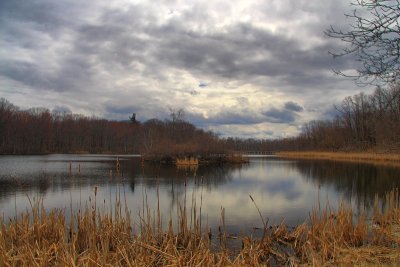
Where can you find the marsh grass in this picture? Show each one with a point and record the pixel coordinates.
(95, 236)
(367, 157)
(187, 161)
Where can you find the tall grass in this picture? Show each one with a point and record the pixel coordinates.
(94, 236)
(368, 157)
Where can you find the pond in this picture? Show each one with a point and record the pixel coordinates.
(282, 189)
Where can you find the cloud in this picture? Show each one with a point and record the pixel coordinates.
(242, 51)
(293, 106)
(62, 109)
(121, 110)
(25, 72)
(285, 187)
(275, 115)
(222, 62)
(202, 85)
(241, 115)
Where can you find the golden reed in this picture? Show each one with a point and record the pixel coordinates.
(92, 237)
(367, 157)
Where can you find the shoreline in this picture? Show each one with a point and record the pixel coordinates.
(391, 159)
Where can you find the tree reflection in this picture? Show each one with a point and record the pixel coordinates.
(11, 185)
(356, 181)
(152, 175)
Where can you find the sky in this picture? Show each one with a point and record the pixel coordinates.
(249, 69)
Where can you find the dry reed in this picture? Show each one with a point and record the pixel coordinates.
(98, 238)
(367, 157)
(187, 161)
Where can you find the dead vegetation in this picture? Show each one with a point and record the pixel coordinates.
(367, 157)
(187, 161)
(96, 237)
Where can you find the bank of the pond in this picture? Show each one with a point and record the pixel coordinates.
(99, 238)
(367, 157)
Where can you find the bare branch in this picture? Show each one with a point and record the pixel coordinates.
(374, 38)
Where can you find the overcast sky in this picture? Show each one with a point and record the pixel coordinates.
(240, 68)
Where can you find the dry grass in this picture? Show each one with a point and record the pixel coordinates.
(237, 159)
(368, 157)
(94, 238)
(187, 161)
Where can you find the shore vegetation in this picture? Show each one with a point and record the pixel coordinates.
(366, 157)
(93, 236)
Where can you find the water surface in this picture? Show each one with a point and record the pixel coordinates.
(282, 189)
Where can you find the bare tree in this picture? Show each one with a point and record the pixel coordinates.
(177, 115)
(374, 39)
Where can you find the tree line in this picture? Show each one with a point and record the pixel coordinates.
(364, 122)
(39, 131)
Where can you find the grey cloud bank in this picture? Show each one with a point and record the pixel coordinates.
(243, 68)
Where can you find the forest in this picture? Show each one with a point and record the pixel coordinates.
(364, 122)
(39, 131)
